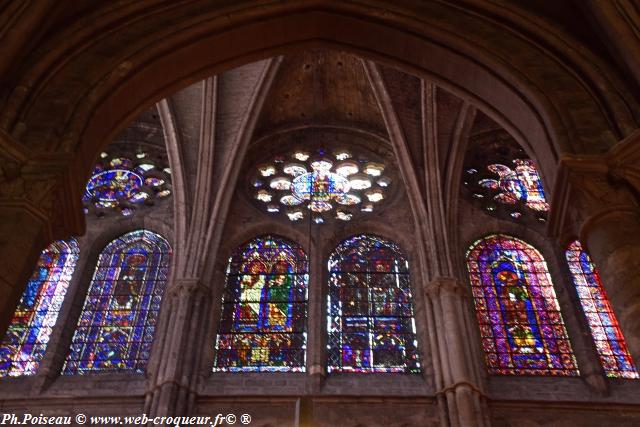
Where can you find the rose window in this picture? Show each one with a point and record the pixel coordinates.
(124, 185)
(322, 186)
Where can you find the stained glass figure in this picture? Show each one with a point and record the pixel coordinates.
(522, 183)
(610, 343)
(116, 327)
(264, 308)
(370, 320)
(28, 334)
(520, 322)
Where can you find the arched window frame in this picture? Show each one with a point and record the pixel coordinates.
(609, 341)
(24, 345)
(335, 335)
(552, 333)
(82, 356)
(231, 353)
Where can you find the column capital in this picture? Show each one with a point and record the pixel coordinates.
(44, 186)
(445, 286)
(589, 188)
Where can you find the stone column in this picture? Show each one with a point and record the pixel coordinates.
(457, 378)
(183, 325)
(205, 146)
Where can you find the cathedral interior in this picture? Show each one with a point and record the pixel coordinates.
(321, 213)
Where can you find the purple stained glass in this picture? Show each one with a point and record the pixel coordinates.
(370, 320)
(522, 183)
(264, 309)
(521, 327)
(117, 324)
(28, 334)
(610, 344)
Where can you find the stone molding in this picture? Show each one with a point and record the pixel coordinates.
(465, 385)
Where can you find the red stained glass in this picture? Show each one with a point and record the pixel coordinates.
(608, 339)
(264, 310)
(517, 309)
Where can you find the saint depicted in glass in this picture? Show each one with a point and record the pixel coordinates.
(612, 349)
(118, 320)
(521, 326)
(370, 321)
(264, 308)
(26, 340)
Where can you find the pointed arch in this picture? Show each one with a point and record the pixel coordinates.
(26, 340)
(370, 310)
(521, 326)
(610, 344)
(263, 326)
(117, 324)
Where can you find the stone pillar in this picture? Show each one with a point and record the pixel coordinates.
(457, 378)
(178, 354)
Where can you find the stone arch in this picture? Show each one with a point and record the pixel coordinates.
(53, 109)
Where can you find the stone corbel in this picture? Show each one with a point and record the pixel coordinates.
(587, 189)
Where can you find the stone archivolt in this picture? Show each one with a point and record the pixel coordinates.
(414, 82)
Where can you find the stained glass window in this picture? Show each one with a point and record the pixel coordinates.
(26, 340)
(522, 183)
(370, 321)
(264, 308)
(612, 349)
(124, 185)
(116, 327)
(299, 182)
(520, 323)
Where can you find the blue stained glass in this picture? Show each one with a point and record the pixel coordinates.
(370, 321)
(264, 310)
(118, 304)
(520, 323)
(611, 346)
(26, 340)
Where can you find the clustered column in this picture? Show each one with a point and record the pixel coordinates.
(457, 377)
(183, 326)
